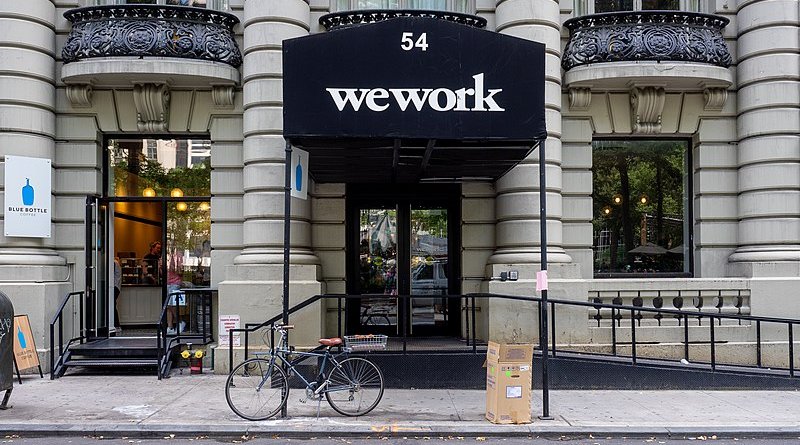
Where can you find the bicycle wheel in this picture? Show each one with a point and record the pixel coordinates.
(355, 387)
(255, 390)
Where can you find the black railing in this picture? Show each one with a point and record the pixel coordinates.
(618, 311)
(198, 329)
(151, 30)
(364, 16)
(646, 35)
(404, 338)
(57, 365)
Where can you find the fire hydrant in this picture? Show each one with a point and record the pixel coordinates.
(195, 358)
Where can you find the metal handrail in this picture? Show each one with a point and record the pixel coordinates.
(252, 327)
(59, 318)
(551, 349)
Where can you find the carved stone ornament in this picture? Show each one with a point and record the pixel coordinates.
(80, 95)
(715, 98)
(152, 106)
(647, 104)
(223, 96)
(580, 98)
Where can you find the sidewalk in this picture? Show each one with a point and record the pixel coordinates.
(193, 405)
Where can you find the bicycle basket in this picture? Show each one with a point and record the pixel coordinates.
(369, 342)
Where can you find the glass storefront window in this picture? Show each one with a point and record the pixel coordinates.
(159, 167)
(463, 6)
(188, 244)
(640, 202)
(583, 7)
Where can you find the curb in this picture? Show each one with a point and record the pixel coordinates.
(308, 430)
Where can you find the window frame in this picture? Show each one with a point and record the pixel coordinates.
(402, 4)
(688, 201)
(579, 6)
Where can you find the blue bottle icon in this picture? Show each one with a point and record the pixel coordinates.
(22, 343)
(27, 193)
(298, 177)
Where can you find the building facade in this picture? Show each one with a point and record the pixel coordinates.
(672, 157)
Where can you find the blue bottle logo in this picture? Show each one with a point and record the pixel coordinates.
(27, 193)
(298, 177)
(22, 342)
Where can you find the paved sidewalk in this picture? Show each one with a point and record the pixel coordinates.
(190, 405)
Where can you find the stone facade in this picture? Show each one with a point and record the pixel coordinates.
(742, 121)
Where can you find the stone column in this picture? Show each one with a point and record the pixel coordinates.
(517, 202)
(769, 139)
(266, 24)
(28, 120)
(253, 285)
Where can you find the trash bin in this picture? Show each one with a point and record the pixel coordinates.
(6, 348)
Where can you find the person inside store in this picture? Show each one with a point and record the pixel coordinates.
(151, 262)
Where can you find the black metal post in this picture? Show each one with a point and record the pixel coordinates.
(543, 243)
(287, 219)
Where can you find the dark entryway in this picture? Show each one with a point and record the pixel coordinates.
(404, 240)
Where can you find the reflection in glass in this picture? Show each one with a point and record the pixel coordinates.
(378, 266)
(429, 248)
(645, 231)
(612, 5)
(188, 245)
(664, 5)
(159, 165)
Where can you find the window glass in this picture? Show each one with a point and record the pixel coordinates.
(664, 5)
(612, 5)
(436, 5)
(159, 167)
(640, 197)
(463, 6)
(220, 5)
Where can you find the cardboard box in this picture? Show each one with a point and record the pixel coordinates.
(508, 383)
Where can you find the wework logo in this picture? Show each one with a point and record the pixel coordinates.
(439, 99)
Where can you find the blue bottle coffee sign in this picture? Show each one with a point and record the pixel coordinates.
(27, 204)
(27, 193)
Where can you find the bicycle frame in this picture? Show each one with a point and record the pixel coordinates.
(281, 352)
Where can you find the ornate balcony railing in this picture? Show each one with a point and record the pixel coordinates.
(360, 17)
(646, 35)
(151, 30)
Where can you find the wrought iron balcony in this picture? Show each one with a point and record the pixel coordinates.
(151, 31)
(361, 17)
(646, 36)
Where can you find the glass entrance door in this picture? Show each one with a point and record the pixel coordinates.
(428, 270)
(400, 257)
(99, 285)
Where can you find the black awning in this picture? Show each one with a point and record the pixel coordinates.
(413, 98)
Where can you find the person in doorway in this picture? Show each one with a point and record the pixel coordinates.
(176, 299)
(117, 290)
(151, 263)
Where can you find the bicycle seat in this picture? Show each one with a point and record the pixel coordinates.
(336, 341)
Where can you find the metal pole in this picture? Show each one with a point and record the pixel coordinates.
(287, 218)
(543, 242)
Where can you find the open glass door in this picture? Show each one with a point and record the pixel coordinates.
(99, 308)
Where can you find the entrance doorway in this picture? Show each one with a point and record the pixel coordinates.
(404, 243)
(148, 236)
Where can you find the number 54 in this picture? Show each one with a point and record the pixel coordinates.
(408, 43)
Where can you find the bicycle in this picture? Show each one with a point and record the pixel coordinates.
(258, 388)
